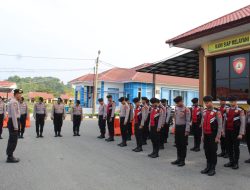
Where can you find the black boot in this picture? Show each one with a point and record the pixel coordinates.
(222, 154)
(150, 155)
(74, 133)
(1, 137)
(229, 164)
(206, 170)
(197, 149)
(235, 166)
(211, 171)
(181, 163)
(110, 139)
(155, 155)
(59, 134)
(12, 159)
(176, 162)
(77, 134)
(135, 149)
(138, 149)
(41, 135)
(37, 135)
(247, 161)
(21, 136)
(56, 135)
(192, 149)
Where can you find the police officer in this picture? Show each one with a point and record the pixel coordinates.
(234, 129)
(130, 119)
(110, 118)
(124, 116)
(145, 119)
(40, 115)
(2, 115)
(211, 132)
(248, 130)
(138, 124)
(76, 117)
(162, 117)
(58, 115)
(13, 122)
(167, 123)
(222, 108)
(155, 126)
(196, 115)
(24, 114)
(182, 128)
(102, 116)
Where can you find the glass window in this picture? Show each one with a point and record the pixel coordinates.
(240, 88)
(222, 88)
(239, 66)
(222, 67)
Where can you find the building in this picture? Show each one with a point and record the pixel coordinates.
(120, 82)
(66, 98)
(47, 97)
(222, 48)
(6, 87)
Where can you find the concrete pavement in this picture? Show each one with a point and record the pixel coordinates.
(79, 163)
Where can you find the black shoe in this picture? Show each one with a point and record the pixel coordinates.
(12, 159)
(56, 135)
(37, 136)
(123, 144)
(211, 172)
(1, 137)
(135, 149)
(222, 154)
(161, 147)
(59, 135)
(229, 165)
(74, 135)
(100, 137)
(154, 155)
(139, 149)
(226, 156)
(206, 170)
(247, 161)
(150, 155)
(176, 162)
(78, 135)
(181, 164)
(235, 166)
(192, 149)
(197, 149)
(109, 139)
(41, 136)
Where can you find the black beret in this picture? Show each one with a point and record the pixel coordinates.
(178, 99)
(18, 91)
(232, 98)
(100, 100)
(222, 98)
(135, 100)
(126, 99)
(109, 96)
(41, 99)
(144, 98)
(121, 99)
(207, 98)
(248, 101)
(195, 100)
(163, 101)
(59, 99)
(78, 101)
(154, 100)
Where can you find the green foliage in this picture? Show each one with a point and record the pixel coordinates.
(42, 84)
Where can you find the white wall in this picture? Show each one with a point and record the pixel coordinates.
(107, 85)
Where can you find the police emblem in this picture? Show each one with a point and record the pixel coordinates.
(239, 65)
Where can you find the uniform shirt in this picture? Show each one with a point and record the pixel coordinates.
(182, 116)
(2, 108)
(102, 111)
(162, 116)
(111, 109)
(58, 109)
(196, 114)
(40, 108)
(222, 110)
(76, 110)
(14, 112)
(124, 112)
(145, 113)
(23, 108)
(131, 112)
(168, 114)
(248, 116)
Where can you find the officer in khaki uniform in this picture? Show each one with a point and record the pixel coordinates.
(182, 117)
(102, 116)
(145, 119)
(40, 115)
(76, 117)
(2, 115)
(211, 125)
(24, 114)
(130, 119)
(110, 118)
(124, 116)
(13, 123)
(58, 115)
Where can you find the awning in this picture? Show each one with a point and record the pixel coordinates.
(185, 65)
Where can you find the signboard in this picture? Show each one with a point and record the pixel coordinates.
(239, 65)
(229, 43)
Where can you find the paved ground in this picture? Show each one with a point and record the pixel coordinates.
(76, 163)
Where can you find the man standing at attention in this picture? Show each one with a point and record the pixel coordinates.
(24, 114)
(76, 117)
(40, 115)
(58, 115)
(102, 116)
(110, 118)
(124, 116)
(2, 115)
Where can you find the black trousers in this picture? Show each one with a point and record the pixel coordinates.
(210, 147)
(1, 123)
(111, 126)
(76, 123)
(181, 142)
(138, 135)
(155, 139)
(39, 123)
(102, 125)
(129, 127)
(13, 137)
(248, 136)
(58, 122)
(223, 144)
(21, 127)
(197, 134)
(145, 132)
(233, 146)
(164, 134)
(124, 129)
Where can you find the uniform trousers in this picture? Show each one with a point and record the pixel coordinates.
(210, 147)
(102, 125)
(76, 123)
(197, 134)
(1, 123)
(111, 126)
(21, 127)
(233, 146)
(181, 142)
(39, 123)
(155, 139)
(13, 137)
(58, 122)
(124, 129)
(138, 135)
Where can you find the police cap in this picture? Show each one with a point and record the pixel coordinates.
(178, 99)
(100, 100)
(195, 100)
(18, 91)
(207, 98)
(135, 100)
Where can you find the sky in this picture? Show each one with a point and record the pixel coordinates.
(128, 33)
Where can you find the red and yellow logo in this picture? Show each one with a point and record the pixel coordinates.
(239, 65)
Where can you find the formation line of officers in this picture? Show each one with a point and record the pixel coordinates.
(17, 110)
(225, 125)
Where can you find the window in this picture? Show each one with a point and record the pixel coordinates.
(232, 76)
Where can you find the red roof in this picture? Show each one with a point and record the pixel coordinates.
(45, 95)
(130, 75)
(7, 84)
(234, 19)
(88, 77)
(66, 97)
(4, 95)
